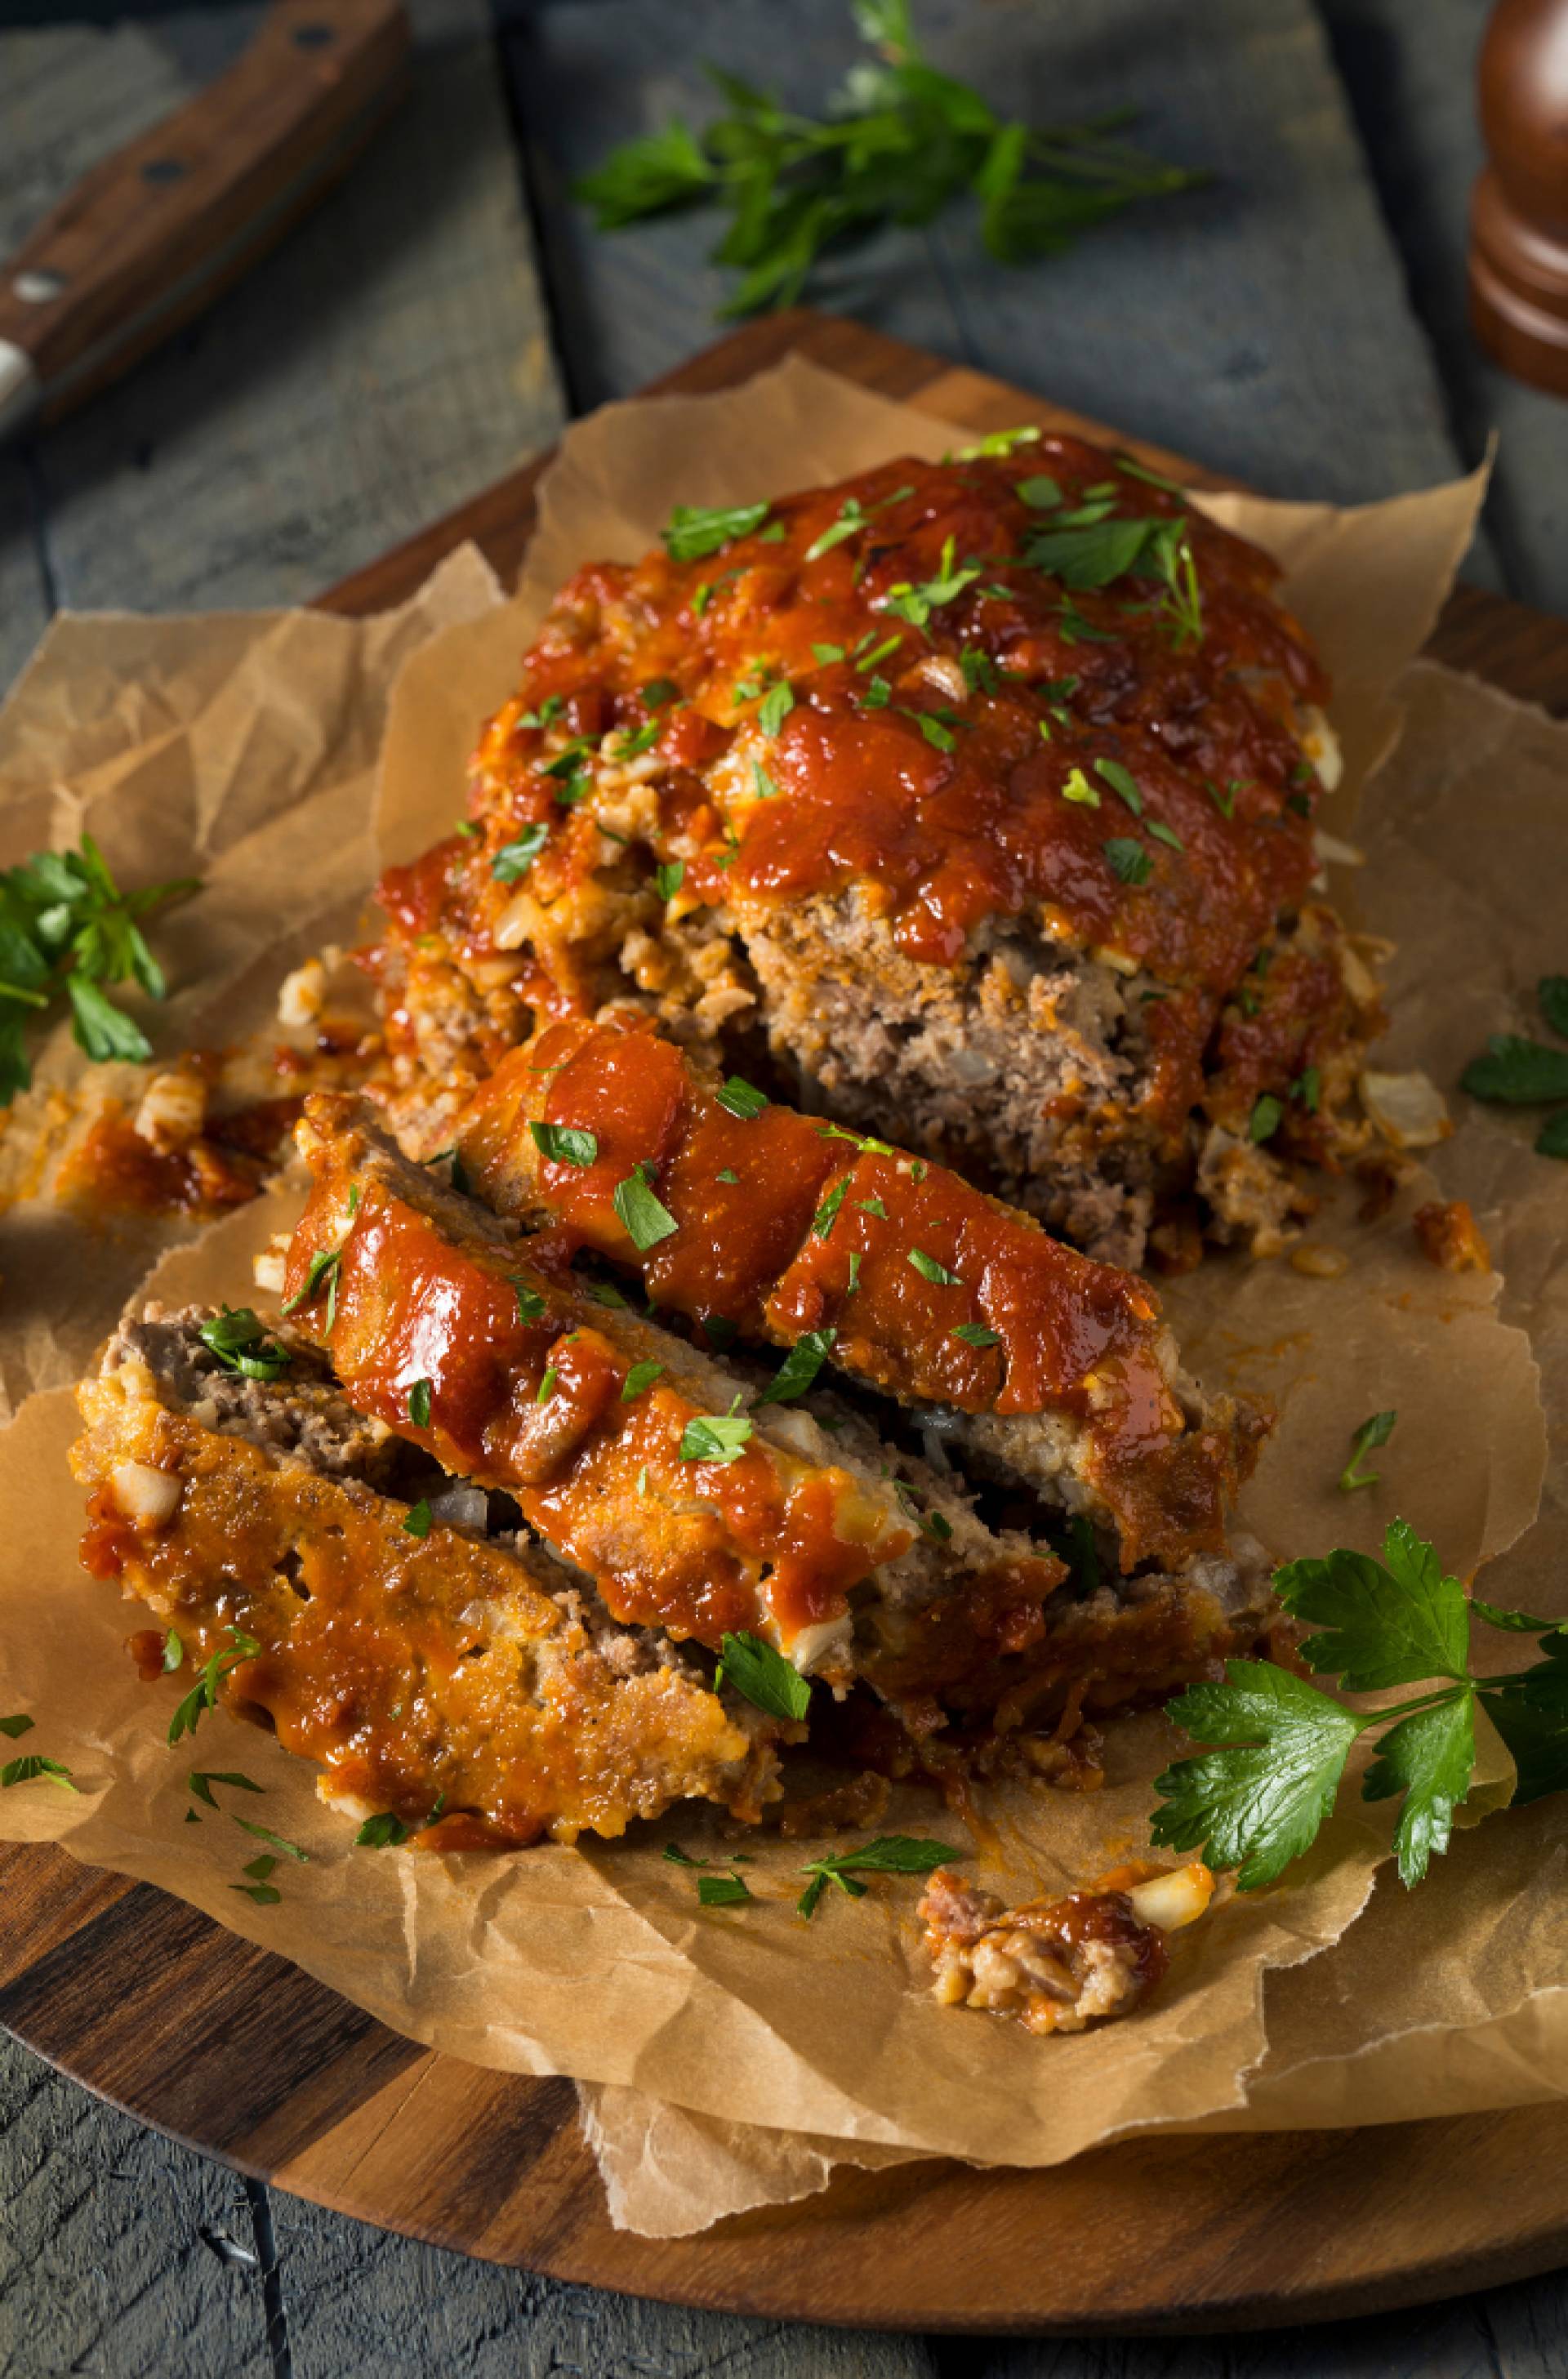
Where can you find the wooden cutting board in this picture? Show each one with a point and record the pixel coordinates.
(238, 2054)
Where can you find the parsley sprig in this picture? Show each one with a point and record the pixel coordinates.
(897, 143)
(1517, 1071)
(1258, 1800)
(66, 926)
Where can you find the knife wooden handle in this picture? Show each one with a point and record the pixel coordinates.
(149, 237)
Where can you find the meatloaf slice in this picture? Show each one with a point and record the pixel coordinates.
(858, 1558)
(472, 1687)
(984, 789)
(1029, 1357)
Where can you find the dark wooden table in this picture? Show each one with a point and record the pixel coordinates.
(1299, 325)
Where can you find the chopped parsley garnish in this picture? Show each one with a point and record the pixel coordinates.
(763, 1676)
(929, 1269)
(173, 1654)
(721, 1890)
(645, 1215)
(563, 1144)
(417, 1523)
(324, 1266)
(889, 1854)
(1155, 478)
(1121, 780)
(238, 1338)
(868, 661)
(1258, 1800)
(604, 1292)
(873, 1206)
(514, 858)
(1000, 442)
(1128, 860)
(640, 1376)
(980, 673)
(717, 1328)
(419, 1403)
(976, 1333)
(828, 1212)
(878, 694)
(1266, 1117)
(1078, 787)
(1041, 493)
(1553, 992)
(677, 1857)
(1370, 1436)
(635, 742)
(775, 707)
(547, 713)
(763, 785)
(1165, 834)
(715, 1437)
(33, 1767)
(728, 1173)
(203, 1694)
(1306, 1088)
(741, 1098)
(669, 877)
(939, 736)
(799, 1369)
(854, 1280)
(916, 604)
(387, 1831)
(18, 1724)
(530, 1304)
(658, 691)
(546, 1388)
(1225, 802)
(930, 1524)
(202, 1780)
(693, 532)
(826, 655)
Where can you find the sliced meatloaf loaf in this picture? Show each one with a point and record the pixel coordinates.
(983, 789)
(699, 1505)
(443, 1677)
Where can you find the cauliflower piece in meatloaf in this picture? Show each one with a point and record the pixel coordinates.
(984, 790)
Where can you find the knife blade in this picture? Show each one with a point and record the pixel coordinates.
(151, 235)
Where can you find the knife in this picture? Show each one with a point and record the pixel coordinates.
(151, 235)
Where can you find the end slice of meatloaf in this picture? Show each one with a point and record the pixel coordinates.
(984, 789)
(1038, 1361)
(628, 1450)
(473, 1689)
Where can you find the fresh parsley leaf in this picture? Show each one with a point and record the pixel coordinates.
(889, 1854)
(826, 655)
(419, 1403)
(1552, 1138)
(563, 1144)
(1532, 1718)
(1165, 834)
(644, 1215)
(1265, 1119)
(238, 1338)
(693, 532)
(173, 1653)
(669, 877)
(1000, 442)
(280, 1843)
(741, 1098)
(1517, 1071)
(1553, 992)
(763, 1676)
(266, 1895)
(18, 1724)
(605, 1293)
(1389, 1623)
(976, 1333)
(1308, 1087)
(640, 1376)
(799, 1368)
(1259, 1801)
(418, 1518)
(1121, 780)
(530, 1304)
(102, 1029)
(1128, 860)
(203, 1694)
(1428, 1757)
(383, 1831)
(1093, 555)
(715, 1437)
(929, 1269)
(775, 708)
(259, 1869)
(721, 1890)
(33, 1768)
(1079, 789)
(916, 604)
(1371, 1434)
(868, 661)
(647, 176)
(514, 858)
(1040, 493)
(324, 1266)
(546, 1388)
(828, 1212)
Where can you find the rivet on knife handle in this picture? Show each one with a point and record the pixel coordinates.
(150, 237)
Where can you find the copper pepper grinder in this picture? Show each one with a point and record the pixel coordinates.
(1519, 213)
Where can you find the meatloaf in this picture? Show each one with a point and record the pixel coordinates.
(626, 1448)
(981, 791)
(458, 1679)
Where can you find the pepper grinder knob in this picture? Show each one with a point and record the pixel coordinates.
(1519, 212)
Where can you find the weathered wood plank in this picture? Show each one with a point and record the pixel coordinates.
(1260, 326)
(391, 358)
(360, 2300)
(119, 2253)
(1410, 70)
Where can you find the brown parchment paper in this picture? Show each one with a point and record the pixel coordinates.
(785, 2045)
